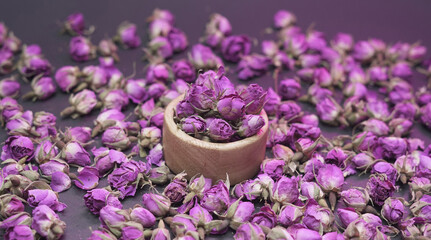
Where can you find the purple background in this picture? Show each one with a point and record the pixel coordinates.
(39, 22)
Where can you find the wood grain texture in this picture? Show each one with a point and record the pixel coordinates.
(240, 159)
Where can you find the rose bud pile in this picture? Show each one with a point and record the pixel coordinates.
(212, 108)
(308, 187)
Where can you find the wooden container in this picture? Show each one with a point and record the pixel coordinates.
(240, 159)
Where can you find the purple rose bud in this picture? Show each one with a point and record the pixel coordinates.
(88, 178)
(231, 107)
(155, 156)
(17, 148)
(330, 178)
(12, 43)
(283, 19)
(318, 218)
(289, 89)
(390, 148)
(11, 205)
(149, 137)
(379, 188)
(426, 115)
(193, 125)
(220, 130)
(356, 198)
(251, 66)
(234, 47)
(136, 91)
(143, 216)
(386, 169)
(306, 74)
(79, 134)
(96, 199)
(81, 103)
(285, 190)
(343, 42)
(37, 197)
(308, 60)
(249, 231)
(19, 232)
(265, 217)
(322, 77)
(378, 74)
(21, 218)
(316, 40)
(330, 111)
(241, 213)
(161, 47)
(273, 100)
(269, 48)
(289, 215)
(254, 97)
(95, 76)
(45, 151)
(107, 48)
(81, 49)
(132, 232)
(296, 44)
(75, 24)
(346, 216)
(158, 205)
(401, 70)
(44, 216)
(288, 110)
(176, 190)
(336, 156)
(417, 53)
(113, 218)
(399, 90)
(67, 77)
(182, 223)
(184, 70)
(300, 232)
(6, 61)
(393, 210)
(116, 137)
(114, 99)
(127, 35)
(203, 57)
(101, 234)
(216, 198)
(32, 66)
(217, 29)
(363, 51)
(9, 88)
(126, 177)
(177, 39)
(74, 153)
(3, 32)
(273, 167)
(200, 97)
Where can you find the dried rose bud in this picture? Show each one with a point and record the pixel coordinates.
(20, 126)
(67, 77)
(356, 198)
(114, 99)
(330, 112)
(296, 44)
(79, 134)
(184, 70)
(273, 167)
(390, 148)
(217, 29)
(393, 210)
(176, 191)
(160, 47)
(18, 147)
(12, 43)
(37, 197)
(107, 48)
(289, 89)
(127, 177)
(322, 77)
(3, 32)
(249, 231)
(116, 137)
(193, 124)
(253, 65)
(149, 137)
(155, 156)
(386, 169)
(182, 223)
(74, 153)
(127, 35)
(106, 159)
(220, 130)
(308, 60)
(273, 100)
(216, 198)
(9, 88)
(177, 39)
(363, 51)
(200, 97)
(101, 234)
(96, 199)
(250, 125)
(136, 90)
(10, 205)
(45, 151)
(250, 189)
(421, 208)
(379, 188)
(158, 205)
(254, 97)
(343, 42)
(6, 62)
(23, 232)
(161, 233)
(75, 24)
(203, 57)
(400, 126)
(143, 216)
(47, 223)
(33, 66)
(81, 49)
(234, 47)
(319, 218)
(330, 178)
(290, 214)
(265, 217)
(87, 178)
(401, 70)
(311, 190)
(284, 191)
(94, 76)
(81, 103)
(346, 216)
(113, 218)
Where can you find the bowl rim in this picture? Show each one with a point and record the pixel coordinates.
(169, 122)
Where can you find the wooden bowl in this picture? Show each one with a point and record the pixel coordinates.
(240, 159)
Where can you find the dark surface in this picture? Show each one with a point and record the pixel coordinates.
(38, 22)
